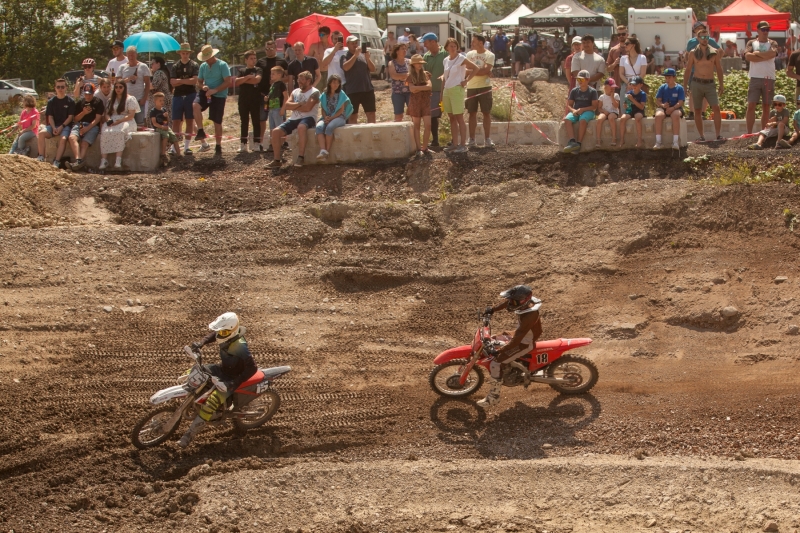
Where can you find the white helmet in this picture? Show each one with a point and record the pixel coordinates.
(226, 325)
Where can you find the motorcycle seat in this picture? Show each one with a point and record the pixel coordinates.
(275, 371)
(555, 343)
(258, 377)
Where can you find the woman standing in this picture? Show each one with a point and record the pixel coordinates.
(419, 107)
(455, 78)
(398, 73)
(336, 109)
(160, 84)
(632, 65)
(120, 124)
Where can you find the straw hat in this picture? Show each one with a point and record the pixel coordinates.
(207, 52)
(185, 47)
(416, 59)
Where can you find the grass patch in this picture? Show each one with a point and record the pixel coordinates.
(740, 172)
(501, 108)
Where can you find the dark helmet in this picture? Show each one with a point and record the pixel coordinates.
(518, 297)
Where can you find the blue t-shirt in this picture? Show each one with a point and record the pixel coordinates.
(583, 99)
(215, 75)
(694, 41)
(796, 119)
(500, 43)
(671, 96)
(641, 98)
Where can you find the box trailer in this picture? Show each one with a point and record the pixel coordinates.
(674, 26)
(443, 23)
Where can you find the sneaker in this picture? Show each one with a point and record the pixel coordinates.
(40, 159)
(188, 151)
(488, 143)
(103, 164)
(300, 161)
(218, 149)
(171, 150)
(78, 164)
(449, 148)
(242, 148)
(491, 399)
(571, 145)
(676, 146)
(658, 146)
(323, 154)
(700, 139)
(576, 149)
(260, 147)
(755, 146)
(471, 143)
(275, 163)
(201, 134)
(56, 164)
(783, 144)
(24, 151)
(461, 149)
(205, 147)
(164, 160)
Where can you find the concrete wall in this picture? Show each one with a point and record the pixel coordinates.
(648, 134)
(730, 128)
(519, 132)
(360, 142)
(141, 152)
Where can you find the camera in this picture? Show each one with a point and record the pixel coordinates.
(363, 48)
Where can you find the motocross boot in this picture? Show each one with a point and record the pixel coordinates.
(194, 429)
(493, 398)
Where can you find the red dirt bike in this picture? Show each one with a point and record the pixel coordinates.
(456, 373)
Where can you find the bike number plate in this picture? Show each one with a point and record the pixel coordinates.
(541, 358)
(261, 387)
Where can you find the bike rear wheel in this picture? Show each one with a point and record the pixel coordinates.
(259, 411)
(579, 374)
(149, 431)
(445, 379)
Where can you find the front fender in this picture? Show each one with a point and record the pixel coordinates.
(176, 391)
(460, 352)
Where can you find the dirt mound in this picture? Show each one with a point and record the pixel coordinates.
(31, 193)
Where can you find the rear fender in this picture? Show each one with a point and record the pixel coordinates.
(460, 352)
(165, 395)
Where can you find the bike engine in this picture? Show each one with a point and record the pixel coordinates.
(512, 378)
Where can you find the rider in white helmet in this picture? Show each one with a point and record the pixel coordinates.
(236, 368)
(519, 300)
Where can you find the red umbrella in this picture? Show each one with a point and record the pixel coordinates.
(307, 28)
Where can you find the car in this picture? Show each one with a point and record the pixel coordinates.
(9, 90)
(73, 75)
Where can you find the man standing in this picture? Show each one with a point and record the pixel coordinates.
(304, 105)
(694, 41)
(479, 90)
(317, 51)
(358, 69)
(403, 39)
(792, 71)
(303, 63)
(184, 83)
(266, 64)
(761, 54)
(434, 65)
(332, 58)
(250, 100)
(387, 50)
(612, 62)
(500, 45)
(88, 77)
(136, 76)
(119, 59)
(88, 114)
(699, 73)
(214, 79)
(58, 116)
(588, 60)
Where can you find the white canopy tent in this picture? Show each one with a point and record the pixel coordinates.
(511, 21)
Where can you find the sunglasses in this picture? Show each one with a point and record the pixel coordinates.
(779, 103)
(765, 30)
(703, 37)
(60, 87)
(119, 86)
(87, 68)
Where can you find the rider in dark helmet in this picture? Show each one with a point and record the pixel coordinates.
(520, 301)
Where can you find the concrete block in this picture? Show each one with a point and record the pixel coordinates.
(141, 152)
(648, 135)
(730, 128)
(360, 142)
(519, 133)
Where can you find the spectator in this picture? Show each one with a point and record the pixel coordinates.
(777, 125)
(614, 54)
(398, 73)
(792, 71)
(760, 52)
(549, 59)
(358, 69)
(694, 41)
(332, 58)
(89, 113)
(632, 65)
(557, 45)
(419, 107)
(405, 37)
(159, 120)
(267, 64)
(668, 62)
(582, 104)
(303, 63)
(651, 62)
(703, 62)
(796, 122)
(184, 82)
(159, 83)
(27, 126)
(730, 49)
(118, 61)
(576, 49)
(121, 112)
(608, 107)
(137, 76)
(499, 47)
(413, 46)
(58, 114)
(533, 39)
(669, 103)
(303, 103)
(479, 90)
(214, 78)
(388, 46)
(288, 52)
(88, 76)
(434, 66)
(455, 77)
(635, 103)
(103, 91)
(590, 61)
(317, 51)
(336, 109)
(659, 52)
(276, 97)
(780, 59)
(250, 100)
(522, 57)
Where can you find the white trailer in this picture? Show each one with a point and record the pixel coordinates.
(674, 26)
(443, 23)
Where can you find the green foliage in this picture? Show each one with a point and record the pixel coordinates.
(696, 163)
(7, 139)
(743, 173)
(501, 108)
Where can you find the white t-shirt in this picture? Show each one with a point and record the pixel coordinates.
(103, 98)
(140, 70)
(403, 39)
(480, 60)
(762, 69)
(592, 62)
(116, 64)
(335, 66)
(454, 71)
(301, 97)
(626, 70)
(606, 103)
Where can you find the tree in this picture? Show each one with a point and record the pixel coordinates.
(788, 6)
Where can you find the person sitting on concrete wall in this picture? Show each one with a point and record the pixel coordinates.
(336, 109)
(59, 114)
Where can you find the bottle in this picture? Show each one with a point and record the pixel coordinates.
(113, 77)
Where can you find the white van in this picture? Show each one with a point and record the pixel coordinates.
(674, 26)
(443, 23)
(367, 31)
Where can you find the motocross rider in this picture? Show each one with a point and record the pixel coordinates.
(236, 368)
(520, 300)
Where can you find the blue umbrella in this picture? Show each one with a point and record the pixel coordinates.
(152, 41)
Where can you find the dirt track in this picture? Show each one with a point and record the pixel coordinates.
(358, 296)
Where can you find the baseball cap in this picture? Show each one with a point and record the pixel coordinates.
(576, 39)
(669, 72)
(407, 29)
(610, 82)
(763, 24)
(352, 39)
(89, 88)
(636, 80)
(584, 74)
(698, 25)
(117, 43)
(430, 36)
(658, 37)
(779, 98)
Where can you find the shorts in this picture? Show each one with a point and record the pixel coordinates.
(679, 111)
(90, 137)
(708, 91)
(274, 117)
(658, 57)
(64, 133)
(757, 89)
(635, 113)
(436, 96)
(168, 134)
(521, 55)
(400, 102)
(586, 116)
(216, 106)
(364, 99)
(453, 99)
(182, 107)
(772, 132)
(482, 96)
(290, 125)
(609, 112)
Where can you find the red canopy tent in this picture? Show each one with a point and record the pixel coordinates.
(743, 15)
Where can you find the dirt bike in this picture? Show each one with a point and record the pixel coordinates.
(252, 405)
(456, 373)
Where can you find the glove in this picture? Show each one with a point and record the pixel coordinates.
(489, 311)
(196, 346)
(491, 350)
(219, 384)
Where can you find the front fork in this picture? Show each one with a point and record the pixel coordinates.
(176, 416)
(467, 369)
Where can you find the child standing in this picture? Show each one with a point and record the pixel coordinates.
(277, 97)
(582, 104)
(159, 119)
(249, 100)
(777, 125)
(28, 125)
(419, 106)
(609, 110)
(635, 102)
